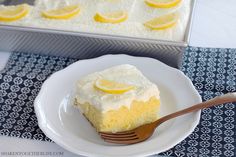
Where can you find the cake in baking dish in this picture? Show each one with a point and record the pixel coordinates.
(154, 19)
(117, 99)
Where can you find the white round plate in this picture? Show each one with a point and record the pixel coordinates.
(65, 125)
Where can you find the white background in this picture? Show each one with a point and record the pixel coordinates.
(214, 25)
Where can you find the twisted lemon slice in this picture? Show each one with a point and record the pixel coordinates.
(13, 13)
(162, 22)
(112, 87)
(62, 13)
(112, 17)
(162, 3)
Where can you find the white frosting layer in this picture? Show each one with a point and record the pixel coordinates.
(128, 74)
(138, 11)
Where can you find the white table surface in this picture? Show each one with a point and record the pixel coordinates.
(214, 25)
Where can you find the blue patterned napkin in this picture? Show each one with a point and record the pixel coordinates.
(20, 83)
(211, 70)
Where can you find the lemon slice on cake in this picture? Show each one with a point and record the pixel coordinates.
(162, 3)
(112, 87)
(66, 12)
(13, 13)
(111, 17)
(162, 22)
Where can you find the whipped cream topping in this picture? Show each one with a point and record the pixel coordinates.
(128, 74)
(138, 13)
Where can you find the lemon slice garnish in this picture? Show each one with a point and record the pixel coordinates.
(112, 17)
(112, 87)
(162, 22)
(13, 13)
(162, 3)
(62, 13)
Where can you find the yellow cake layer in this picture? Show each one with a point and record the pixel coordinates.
(124, 118)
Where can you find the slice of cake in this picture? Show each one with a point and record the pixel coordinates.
(118, 99)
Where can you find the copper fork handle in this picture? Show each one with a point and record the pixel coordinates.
(226, 98)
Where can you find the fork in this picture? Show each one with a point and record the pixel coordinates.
(143, 132)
